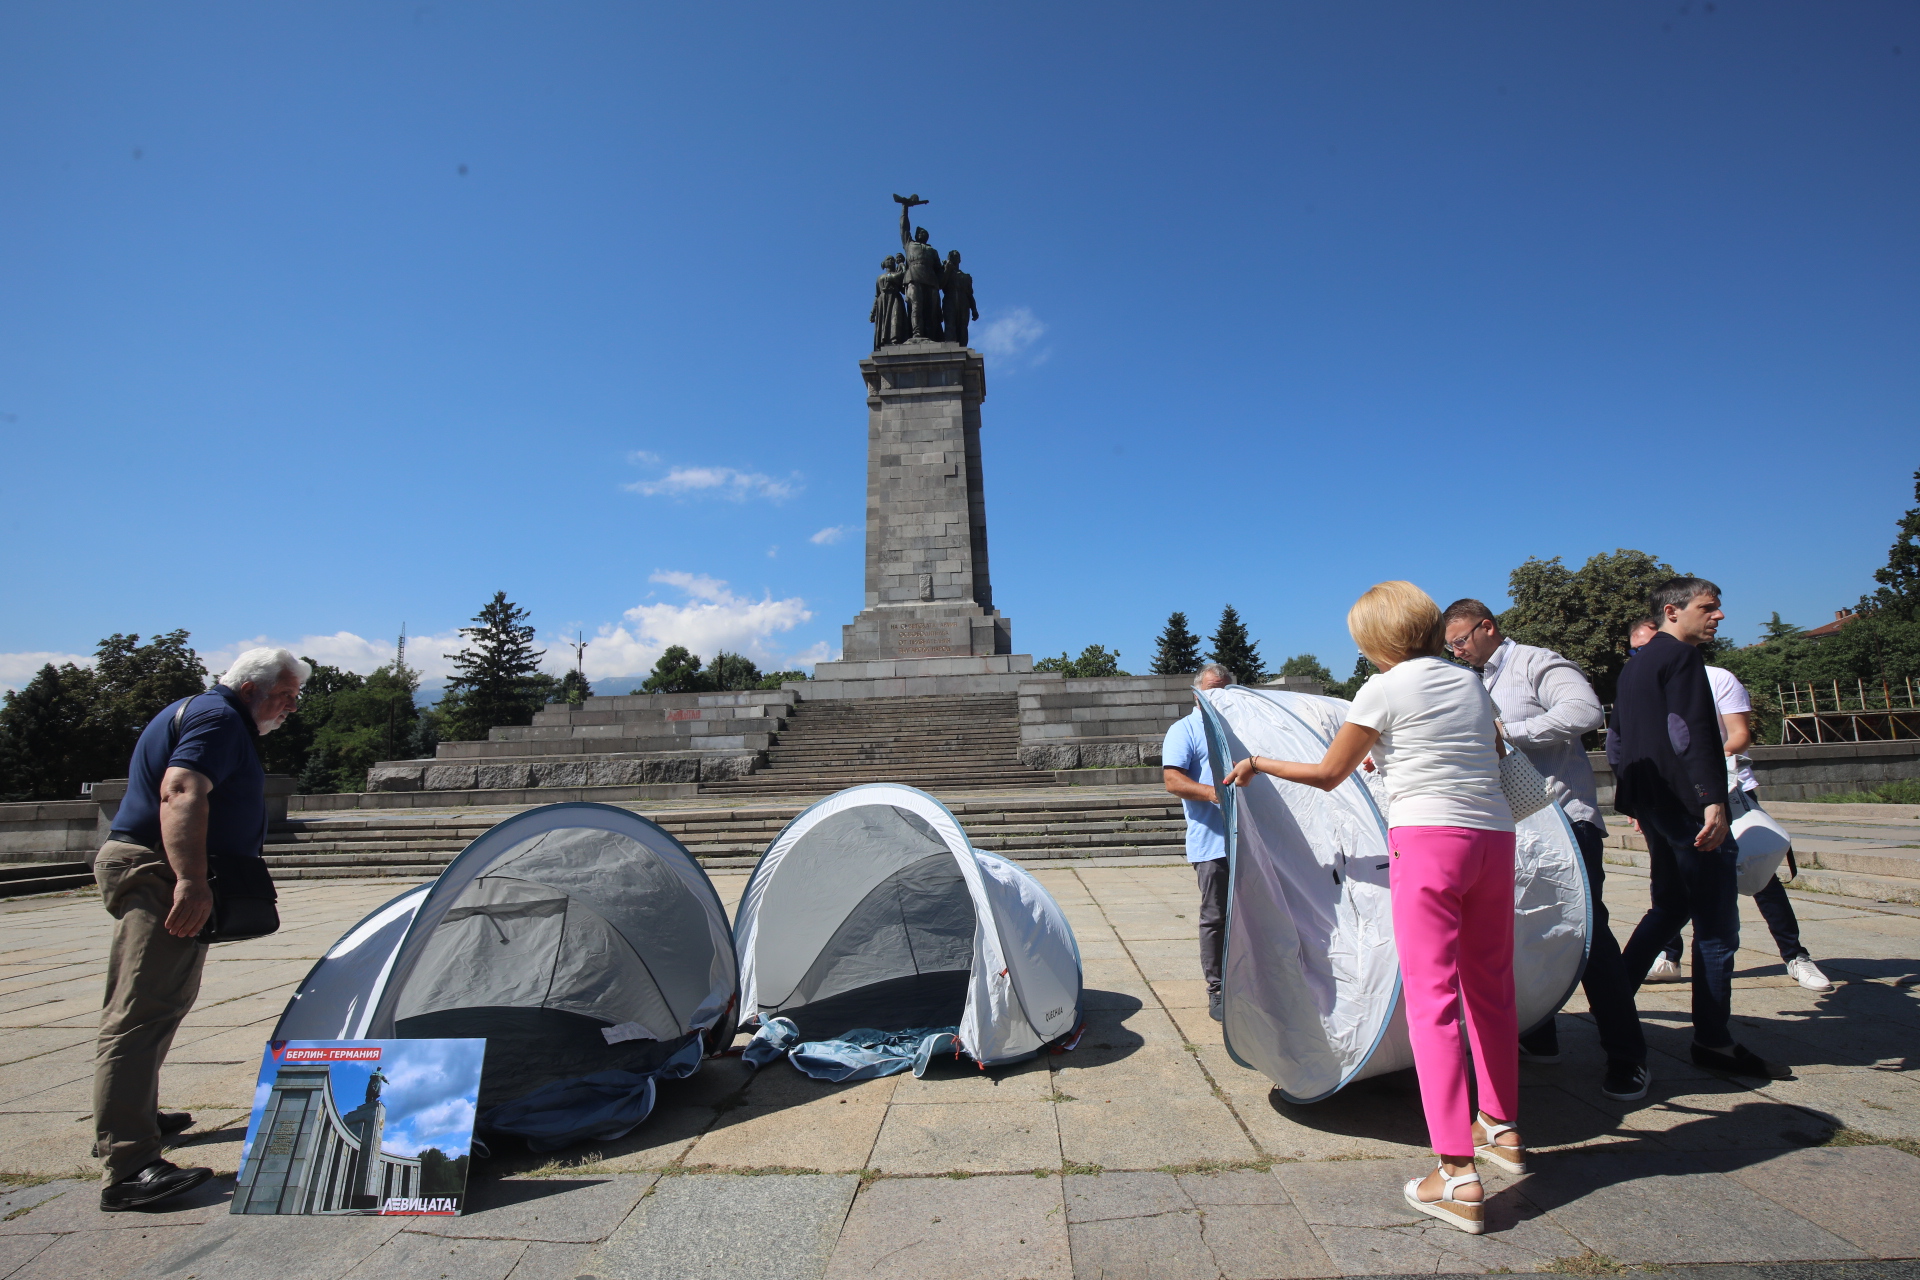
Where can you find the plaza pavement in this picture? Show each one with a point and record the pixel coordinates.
(1145, 1152)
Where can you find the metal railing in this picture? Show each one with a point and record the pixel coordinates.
(1828, 711)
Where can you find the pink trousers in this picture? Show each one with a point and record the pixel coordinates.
(1453, 923)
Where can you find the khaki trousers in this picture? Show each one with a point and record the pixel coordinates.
(152, 980)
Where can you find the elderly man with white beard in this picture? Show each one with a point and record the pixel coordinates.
(196, 802)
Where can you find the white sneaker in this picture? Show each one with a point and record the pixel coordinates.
(1805, 972)
(1664, 970)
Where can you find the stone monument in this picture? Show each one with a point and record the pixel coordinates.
(929, 594)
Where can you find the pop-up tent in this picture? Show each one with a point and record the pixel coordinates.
(1311, 979)
(873, 910)
(575, 938)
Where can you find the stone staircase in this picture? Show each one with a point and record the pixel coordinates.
(24, 873)
(934, 743)
(1082, 823)
(1867, 851)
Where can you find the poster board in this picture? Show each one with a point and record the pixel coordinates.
(360, 1128)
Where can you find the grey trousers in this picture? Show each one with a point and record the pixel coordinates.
(1213, 917)
(152, 980)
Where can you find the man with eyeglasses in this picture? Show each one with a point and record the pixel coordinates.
(1545, 705)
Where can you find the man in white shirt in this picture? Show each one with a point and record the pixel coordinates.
(1545, 705)
(1735, 707)
(1188, 773)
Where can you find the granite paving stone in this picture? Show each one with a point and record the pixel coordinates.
(239, 1247)
(439, 1257)
(555, 1210)
(1869, 1196)
(943, 1137)
(726, 1226)
(102, 1255)
(1645, 1206)
(980, 1228)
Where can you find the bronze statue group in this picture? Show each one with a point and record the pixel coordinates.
(917, 297)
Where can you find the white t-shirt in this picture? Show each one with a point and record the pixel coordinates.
(1436, 749)
(1729, 698)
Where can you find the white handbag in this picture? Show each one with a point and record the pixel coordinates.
(1526, 786)
(1763, 842)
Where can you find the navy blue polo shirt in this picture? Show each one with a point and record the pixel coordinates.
(216, 739)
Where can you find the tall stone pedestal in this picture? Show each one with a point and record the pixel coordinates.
(928, 590)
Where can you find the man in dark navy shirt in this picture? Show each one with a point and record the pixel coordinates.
(1670, 777)
(196, 792)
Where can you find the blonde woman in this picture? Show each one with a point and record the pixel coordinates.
(1429, 726)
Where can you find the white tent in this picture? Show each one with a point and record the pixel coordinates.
(872, 909)
(552, 929)
(1311, 978)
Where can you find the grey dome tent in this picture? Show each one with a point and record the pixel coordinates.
(1311, 979)
(872, 909)
(555, 926)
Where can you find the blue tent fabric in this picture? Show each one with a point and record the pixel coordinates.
(860, 1054)
(867, 1054)
(599, 1107)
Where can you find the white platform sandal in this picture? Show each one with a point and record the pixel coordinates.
(1470, 1218)
(1512, 1159)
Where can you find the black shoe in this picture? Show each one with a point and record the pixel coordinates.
(1542, 1044)
(1740, 1061)
(149, 1186)
(172, 1122)
(1626, 1081)
(1216, 1006)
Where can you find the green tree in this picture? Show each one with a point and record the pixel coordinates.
(573, 689)
(1774, 629)
(774, 679)
(677, 671)
(1363, 671)
(133, 683)
(1234, 649)
(1094, 661)
(1177, 650)
(1583, 614)
(1305, 664)
(498, 680)
(730, 671)
(1899, 579)
(46, 752)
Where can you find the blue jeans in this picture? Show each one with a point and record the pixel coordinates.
(1695, 885)
(1609, 994)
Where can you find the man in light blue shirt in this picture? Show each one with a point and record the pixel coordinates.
(1189, 774)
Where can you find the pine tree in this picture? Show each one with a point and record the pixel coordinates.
(499, 680)
(1177, 651)
(1899, 589)
(677, 671)
(45, 752)
(573, 689)
(1233, 649)
(730, 671)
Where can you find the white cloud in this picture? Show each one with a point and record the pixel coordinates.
(640, 457)
(713, 618)
(719, 482)
(829, 535)
(1012, 334)
(18, 668)
(349, 652)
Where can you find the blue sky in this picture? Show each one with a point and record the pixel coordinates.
(318, 319)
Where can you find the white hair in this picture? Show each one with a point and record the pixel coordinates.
(264, 667)
(1214, 669)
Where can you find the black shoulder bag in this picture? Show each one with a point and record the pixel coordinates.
(243, 892)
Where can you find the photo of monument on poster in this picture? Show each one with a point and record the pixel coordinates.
(360, 1127)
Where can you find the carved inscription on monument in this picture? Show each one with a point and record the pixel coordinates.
(929, 638)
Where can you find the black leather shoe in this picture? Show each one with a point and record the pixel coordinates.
(172, 1122)
(150, 1186)
(1740, 1061)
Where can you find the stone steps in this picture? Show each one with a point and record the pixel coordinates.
(17, 879)
(1024, 828)
(1874, 863)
